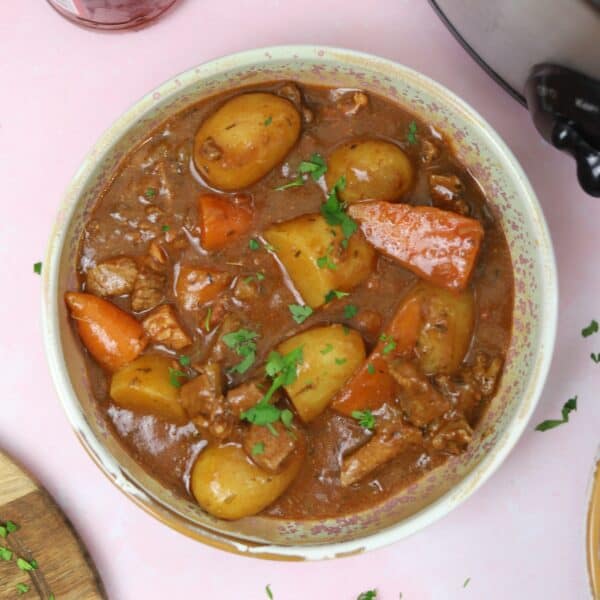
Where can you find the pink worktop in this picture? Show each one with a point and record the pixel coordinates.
(521, 536)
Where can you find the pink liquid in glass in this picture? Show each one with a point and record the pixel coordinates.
(111, 14)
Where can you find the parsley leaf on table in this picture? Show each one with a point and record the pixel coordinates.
(590, 329)
(569, 406)
(368, 595)
(37, 268)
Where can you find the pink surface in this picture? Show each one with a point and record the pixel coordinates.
(521, 536)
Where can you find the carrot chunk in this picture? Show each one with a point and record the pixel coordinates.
(112, 336)
(439, 246)
(373, 385)
(221, 219)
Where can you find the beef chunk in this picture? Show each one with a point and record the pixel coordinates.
(389, 441)
(291, 92)
(244, 397)
(486, 372)
(112, 277)
(446, 191)
(269, 451)
(429, 152)
(451, 437)
(202, 399)
(421, 402)
(162, 327)
(149, 287)
(353, 102)
(203, 394)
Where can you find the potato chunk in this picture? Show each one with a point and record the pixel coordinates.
(144, 386)
(228, 485)
(447, 328)
(331, 354)
(244, 139)
(112, 277)
(302, 242)
(163, 327)
(195, 286)
(374, 170)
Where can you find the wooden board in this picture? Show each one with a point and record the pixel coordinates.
(65, 569)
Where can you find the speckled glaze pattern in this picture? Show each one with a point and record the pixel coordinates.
(512, 201)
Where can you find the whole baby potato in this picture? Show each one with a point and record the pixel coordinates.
(228, 485)
(374, 170)
(244, 139)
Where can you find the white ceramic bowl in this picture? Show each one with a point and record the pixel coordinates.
(512, 201)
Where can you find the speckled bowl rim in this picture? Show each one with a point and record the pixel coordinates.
(431, 513)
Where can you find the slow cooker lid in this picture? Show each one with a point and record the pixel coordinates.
(508, 38)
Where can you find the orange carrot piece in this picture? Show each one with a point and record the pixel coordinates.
(112, 336)
(372, 385)
(438, 245)
(221, 219)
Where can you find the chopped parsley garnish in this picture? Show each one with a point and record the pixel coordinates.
(208, 318)
(327, 349)
(316, 166)
(595, 357)
(335, 294)
(11, 527)
(282, 368)
(184, 360)
(368, 595)
(334, 211)
(300, 313)
(350, 311)
(370, 369)
(26, 565)
(412, 133)
(590, 329)
(37, 268)
(268, 120)
(253, 244)
(3, 532)
(340, 361)
(569, 406)
(325, 262)
(299, 181)
(150, 192)
(5, 553)
(389, 342)
(165, 228)
(258, 276)
(243, 343)
(258, 448)
(22, 588)
(174, 375)
(269, 592)
(365, 418)
(287, 416)
(466, 583)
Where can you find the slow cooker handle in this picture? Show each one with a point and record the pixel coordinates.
(565, 107)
